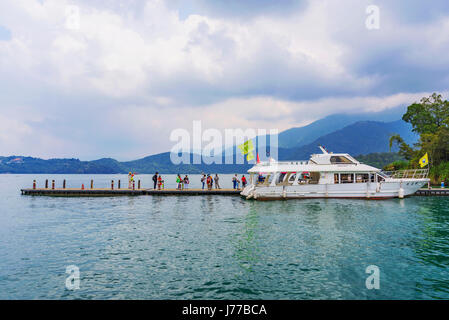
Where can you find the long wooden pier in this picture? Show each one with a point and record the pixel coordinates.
(164, 192)
(432, 192)
(125, 192)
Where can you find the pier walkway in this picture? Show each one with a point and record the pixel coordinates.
(432, 192)
(125, 192)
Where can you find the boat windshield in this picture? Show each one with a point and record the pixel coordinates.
(339, 160)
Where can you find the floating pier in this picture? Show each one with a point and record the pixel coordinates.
(125, 192)
(165, 192)
(432, 192)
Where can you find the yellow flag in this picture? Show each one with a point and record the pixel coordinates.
(424, 161)
(246, 147)
(250, 156)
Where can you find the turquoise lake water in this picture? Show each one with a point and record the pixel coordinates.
(218, 247)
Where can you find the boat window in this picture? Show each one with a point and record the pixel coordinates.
(281, 177)
(372, 177)
(286, 178)
(336, 179)
(346, 178)
(361, 177)
(340, 159)
(306, 177)
(314, 177)
(380, 178)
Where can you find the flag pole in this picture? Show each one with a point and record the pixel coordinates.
(428, 172)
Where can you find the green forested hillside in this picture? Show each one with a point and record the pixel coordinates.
(379, 160)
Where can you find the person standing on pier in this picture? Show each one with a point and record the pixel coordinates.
(234, 181)
(186, 182)
(159, 182)
(209, 182)
(155, 180)
(216, 178)
(130, 180)
(203, 180)
(243, 181)
(178, 181)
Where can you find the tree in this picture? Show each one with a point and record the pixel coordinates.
(404, 149)
(429, 115)
(430, 119)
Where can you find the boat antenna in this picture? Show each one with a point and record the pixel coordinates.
(323, 150)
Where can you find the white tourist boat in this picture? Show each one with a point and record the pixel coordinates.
(329, 175)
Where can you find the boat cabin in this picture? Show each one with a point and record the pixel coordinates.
(325, 168)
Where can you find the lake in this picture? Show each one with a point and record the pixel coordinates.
(217, 247)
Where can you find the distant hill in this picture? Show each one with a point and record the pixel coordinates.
(297, 137)
(360, 138)
(300, 136)
(159, 162)
(17, 164)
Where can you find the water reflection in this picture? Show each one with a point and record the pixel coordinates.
(246, 249)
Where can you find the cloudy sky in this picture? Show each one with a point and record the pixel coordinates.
(113, 78)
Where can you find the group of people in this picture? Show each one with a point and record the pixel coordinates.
(209, 181)
(157, 180)
(236, 182)
(206, 180)
(183, 183)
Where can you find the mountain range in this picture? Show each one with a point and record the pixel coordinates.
(352, 134)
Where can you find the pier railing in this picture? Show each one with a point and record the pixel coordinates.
(407, 174)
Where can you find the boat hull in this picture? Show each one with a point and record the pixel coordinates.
(374, 191)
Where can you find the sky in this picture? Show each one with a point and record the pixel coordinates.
(112, 78)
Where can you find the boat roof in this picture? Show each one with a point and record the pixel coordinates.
(323, 162)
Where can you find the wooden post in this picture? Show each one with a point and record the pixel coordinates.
(119, 184)
(46, 183)
(91, 184)
(112, 185)
(63, 184)
(138, 184)
(34, 184)
(52, 184)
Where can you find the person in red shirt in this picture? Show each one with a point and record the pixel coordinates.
(244, 181)
(209, 182)
(159, 182)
